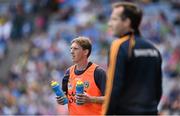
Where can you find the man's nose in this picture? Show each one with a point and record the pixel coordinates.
(71, 51)
(109, 23)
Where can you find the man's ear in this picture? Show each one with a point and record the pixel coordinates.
(86, 52)
(127, 22)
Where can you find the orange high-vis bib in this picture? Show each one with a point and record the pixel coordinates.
(89, 87)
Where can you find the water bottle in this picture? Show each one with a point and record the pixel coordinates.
(79, 90)
(58, 91)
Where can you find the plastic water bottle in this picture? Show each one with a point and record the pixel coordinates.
(79, 89)
(58, 91)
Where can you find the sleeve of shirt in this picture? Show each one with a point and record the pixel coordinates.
(119, 75)
(100, 79)
(65, 81)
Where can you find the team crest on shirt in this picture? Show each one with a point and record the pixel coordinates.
(86, 84)
(69, 86)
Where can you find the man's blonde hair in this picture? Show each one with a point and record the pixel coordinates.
(118, 4)
(84, 42)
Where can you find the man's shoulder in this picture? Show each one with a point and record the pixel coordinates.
(67, 72)
(68, 69)
(99, 70)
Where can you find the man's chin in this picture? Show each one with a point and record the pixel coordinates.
(74, 61)
(117, 35)
(114, 34)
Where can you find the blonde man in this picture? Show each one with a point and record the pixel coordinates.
(90, 74)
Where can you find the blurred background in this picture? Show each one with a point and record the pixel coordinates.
(35, 40)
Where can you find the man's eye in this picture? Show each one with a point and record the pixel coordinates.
(74, 48)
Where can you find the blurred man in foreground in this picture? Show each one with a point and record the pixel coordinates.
(134, 67)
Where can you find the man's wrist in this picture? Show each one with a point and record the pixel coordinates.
(94, 100)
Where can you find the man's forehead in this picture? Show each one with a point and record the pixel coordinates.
(74, 44)
(118, 10)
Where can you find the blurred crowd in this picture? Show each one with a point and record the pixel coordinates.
(48, 26)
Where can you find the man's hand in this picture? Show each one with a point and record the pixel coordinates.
(83, 98)
(60, 100)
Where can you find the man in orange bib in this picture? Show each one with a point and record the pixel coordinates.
(92, 76)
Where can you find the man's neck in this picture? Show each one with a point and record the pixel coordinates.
(125, 34)
(82, 66)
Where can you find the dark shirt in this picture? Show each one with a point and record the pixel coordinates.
(136, 87)
(99, 77)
